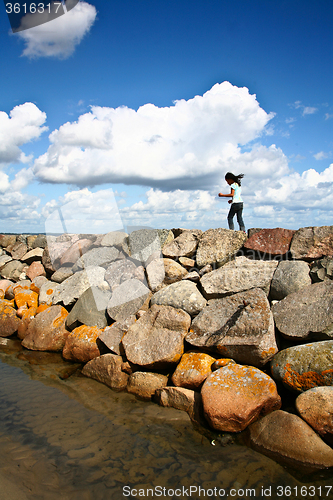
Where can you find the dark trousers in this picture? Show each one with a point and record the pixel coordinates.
(236, 209)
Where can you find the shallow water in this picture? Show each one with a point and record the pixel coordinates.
(73, 438)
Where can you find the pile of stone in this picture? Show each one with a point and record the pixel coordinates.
(214, 323)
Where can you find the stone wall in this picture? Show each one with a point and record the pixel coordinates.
(214, 323)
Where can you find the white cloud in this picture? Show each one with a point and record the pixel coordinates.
(321, 155)
(187, 146)
(24, 123)
(308, 110)
(58, 37)
(328, 116)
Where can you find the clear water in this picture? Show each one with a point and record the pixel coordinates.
(71, 438)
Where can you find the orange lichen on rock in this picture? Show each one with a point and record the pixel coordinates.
(307, 380)
(49, 291)
(34, 288)
(81, 344)
(9, 322)
(42, 308)
(26, 297)
(59, 319)
(193, 369)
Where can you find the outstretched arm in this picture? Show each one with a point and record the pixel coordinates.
(227, 195)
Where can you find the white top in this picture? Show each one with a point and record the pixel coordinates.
(237, 193)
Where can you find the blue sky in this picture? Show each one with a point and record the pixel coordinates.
(151, 103)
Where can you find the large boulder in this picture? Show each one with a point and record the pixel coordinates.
(192, 370)
(7, 239)
(288, 439)
(127, 299)
(218, 246)
(184, 245)
(120, 271)
(35, 269)
(239, 326)
(74, 252)
(156, 340)
(107, 369)
(290, 276)
(47, 331)
(305, 366)
(114, 239)
(306, 314)
(311, 243)
(18, 250)
(141, 244)
(144, 384)
(9, 322)
(73, 287)
(235, 396)
(113, 335)
(237, 276)
(181, 295)
(90, 309)
(101, 257)
(315, 406)
(81, 344)
(164, 272)
(34, 255)
(270, 241)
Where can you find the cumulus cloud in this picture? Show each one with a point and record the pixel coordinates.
(188, 145)
(57, 37)
(24, 123)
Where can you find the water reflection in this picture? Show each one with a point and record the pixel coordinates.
(66, 436)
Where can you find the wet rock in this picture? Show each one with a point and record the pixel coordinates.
(113, 335)
(315, 406)
(107, 369)
(9, 322)
(270, 241)
(306, 314)
(287, 438)
(18, 250)
(181, 295)
(322, 270)
(178, 397)
(303, 367)
(120, 271)
(237, 276)
(156, 340)
(47, 331)
(46, 292)
(34, 255)
(184, 245)
(239, 326)
(101, 257)
(35, 269)
(235, 396)
(192, 370)
(73, 287)
(289, 277)
(311, 243)
(141, 244)
(62, 274)
(127, 299)
(90, 309)
(75, 251)
(144, 384)
(218, 246)
(12, 270)
(114, 239)
(81, 344)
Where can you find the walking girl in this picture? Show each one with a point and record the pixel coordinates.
(236, 208)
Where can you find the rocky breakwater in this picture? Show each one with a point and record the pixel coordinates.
(215, 323)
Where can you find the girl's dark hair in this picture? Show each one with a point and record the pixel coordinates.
(234, 178)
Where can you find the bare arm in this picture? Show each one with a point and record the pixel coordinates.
(227, 195)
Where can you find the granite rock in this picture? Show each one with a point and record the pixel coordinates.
(73, 287)
(47, 331)
(270, 241)
(107, 369)
(289, 276)
(315, 406)
(127, 299)
(184, 245)
(192, 370)
(90, 309)
(181, 295)
(311, 243)
(144, 384)
(81, 344)
(218, 246)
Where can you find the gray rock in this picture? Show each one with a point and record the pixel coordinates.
(127, 299)
(113, 335)
(156, 340)
(306, 314)
(46, 292)
(322, 270)
(155, 274)
(141, 244)
(12, 270)
(237, 276)
(107, 369)
(289, 277)
(288, 439)
(184, 245)
(181, 295)
(90, 309)
(305, 366)
(218, 246)
(62, 274)
(34, 255)
(120, 271)
(311, 243)
(73, 287)
(101, 257)
(239, 326)
(165, 236)
(113, 239)
(144, 384)
(40, 241)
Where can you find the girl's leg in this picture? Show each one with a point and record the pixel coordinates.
(231, 215)
(240, 218)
